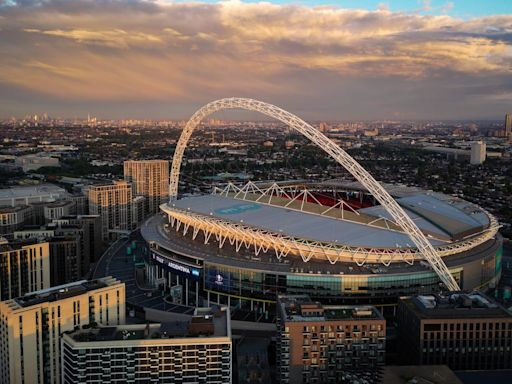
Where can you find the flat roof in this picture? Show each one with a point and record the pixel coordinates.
(422, 374)
(10, 209)
(300, 308)
(294, 223)
(63, 291)
(206, 322)
(16, 244)
(453, 305)
(31, 191)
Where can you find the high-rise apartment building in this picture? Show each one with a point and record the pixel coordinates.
(24, 267)
(478, 152)
(195, 351)
(70, 248)
(66, 254)
(462, 331)
(31, 326)
(113, 203)
(91, 225)
(150, 179)
(321, 344)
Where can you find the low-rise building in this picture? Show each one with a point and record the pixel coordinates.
(13, 218)
(461, 330)
(33, 162)
(195, 351)
(55, 210)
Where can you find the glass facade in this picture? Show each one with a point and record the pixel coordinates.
(265, 285)
(204, 282)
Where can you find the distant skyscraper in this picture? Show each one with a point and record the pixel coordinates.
(150, 179)
(318, 344)
(508, 127)
(113, 203)
(24, 267)
(324, 127)
(478, 152)
(195, 351)
(31, 326)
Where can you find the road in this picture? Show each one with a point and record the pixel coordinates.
(115, 263)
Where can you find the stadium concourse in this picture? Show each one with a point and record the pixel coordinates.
(142, 298)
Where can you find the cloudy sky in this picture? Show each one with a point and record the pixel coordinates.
(329, 59)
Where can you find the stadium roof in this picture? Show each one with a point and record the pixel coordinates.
(295, 223)
(439, 213)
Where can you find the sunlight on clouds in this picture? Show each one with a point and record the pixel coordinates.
(155, 51)
(113, 38)
(57, 70)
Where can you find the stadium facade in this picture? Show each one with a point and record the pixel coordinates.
(338, 242)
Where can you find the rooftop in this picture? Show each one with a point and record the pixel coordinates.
(301, 308)
(419, 374)
(31, 191)
(63, 291)
(60, 203)
(13, 245)
(453, 305)
(206, 322)
(9, 209)
(104, 185)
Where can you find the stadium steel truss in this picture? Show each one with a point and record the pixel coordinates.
(240, 235)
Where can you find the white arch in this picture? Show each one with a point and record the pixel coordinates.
(383, 197)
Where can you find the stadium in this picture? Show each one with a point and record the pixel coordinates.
(349, 242)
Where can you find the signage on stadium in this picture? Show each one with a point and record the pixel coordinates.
(237, 209)
(176, 267)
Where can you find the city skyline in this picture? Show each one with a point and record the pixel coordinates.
(365, 60)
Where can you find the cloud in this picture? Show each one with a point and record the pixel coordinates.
(138, 51)
(111, 38)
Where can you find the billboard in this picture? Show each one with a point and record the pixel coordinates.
(219, 280)
(177, 268)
